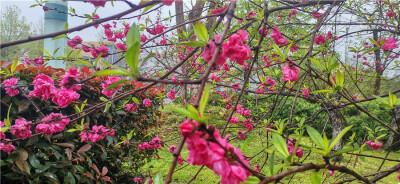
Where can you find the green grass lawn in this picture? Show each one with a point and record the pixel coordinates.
(184, 173)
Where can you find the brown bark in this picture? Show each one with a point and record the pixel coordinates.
(379, 72)
(180, 18)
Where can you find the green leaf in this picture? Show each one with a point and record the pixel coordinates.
(84, 62)
(204, 99)
(158, 179)
(346, 150)
(115, 84)
(201, 31)
(315, 178)
(183, 112)
(14, 65)
(59, 36)
(147, 8)
(251, 180)
(317, 64)
(392, 99)
(278, 50)
(133, 45)
(338, 137)
(339, 78)
(134, 99)
(370, 50)
(194, 113)
(271, 164)
(322, 91)
(280, 145)
(195, 43)
(315, 137)
(112, 72)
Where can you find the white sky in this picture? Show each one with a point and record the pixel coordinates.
(35, 14)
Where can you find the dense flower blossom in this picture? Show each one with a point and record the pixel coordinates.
(180, 159)
(143, 38)
(290, 72)
(355, 97)
(265, 31)
(167, 2)
(215, 77)
(154, 143)
(236, 86)
(7, 147)
(278, 37)
(26, 60)
(389, 44)
(381, 68)
(320, 39)
(158, 29)
(294, 48)
(43, 87)
(174, 78)
(131, 107)
(2, 135)
(96, 134)
(64, 97)
(53, 123)
(97, 3)
(171, 94)
(209, 52)
(257, 168)
(218, 10)
(241, 134)
(137, 180)
(306, 93)
(374, 145)
(236, 49)
(99, 50)
(316, 15)
(120, 46)
(292, 13)
(290, 145)
(147, 102)
(390, 13)
(10, 83)
(74, 42)
(172, 148)
(234, 120)
(70, 80)
(22, 129)
(108, 82)
(38, 61)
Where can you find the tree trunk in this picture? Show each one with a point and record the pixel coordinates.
(180, 18)
(394, 124)
(377, 85)
(211, 20)
(336, 123)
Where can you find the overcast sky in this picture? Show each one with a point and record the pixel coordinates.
(35, 14)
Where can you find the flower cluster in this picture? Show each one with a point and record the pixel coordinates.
(97, 3)
(210, 49)
(390, 43)
(290, 71)
(74, 42)
(108, 81)
(278, 37)
(171, 94)
(131, 107)
(10, 83)
(70, 80)
(158, 29)
(53, 123)
(218, 10)
(375, 145)
(99, 50)
(218, 155)
(147, 102)
(236, 49)
(96, 134)
(290, 146)
(154, 143)
(22, 129)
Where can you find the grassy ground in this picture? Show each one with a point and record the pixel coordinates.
(184, 173)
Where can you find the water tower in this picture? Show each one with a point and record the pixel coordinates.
(55, 21)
